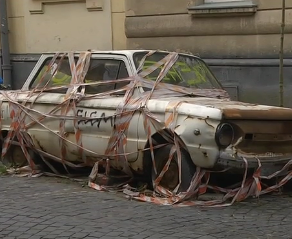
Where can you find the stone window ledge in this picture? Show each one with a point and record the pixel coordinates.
(36, 6)
(223, 9)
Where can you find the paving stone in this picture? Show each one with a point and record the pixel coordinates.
(96, 234)
(4, 219)
(35, 237)
(49, 208)
(56, 232)
(15, 234)
(42, 233)
(79, 235)
(33, 231)
(49, 237)
(40, 227)
(24, 236)
(50, 229)
(114, 234)
(66, 234)
(5, 232)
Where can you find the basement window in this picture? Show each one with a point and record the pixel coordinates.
(217, 8)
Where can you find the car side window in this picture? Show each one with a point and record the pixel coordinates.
(59, 76)
(103, 71)
(100, 70)
(123, 73)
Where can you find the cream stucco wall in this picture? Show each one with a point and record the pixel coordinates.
(58, 25)
(167, 25)
(16, 24)
(118, 24)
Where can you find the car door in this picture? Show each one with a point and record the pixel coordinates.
(43, 121)
(98, 112)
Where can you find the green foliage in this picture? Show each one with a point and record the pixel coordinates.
(192, 75)
(3, 169)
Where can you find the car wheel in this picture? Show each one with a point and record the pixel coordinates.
(170, 179)
(15, 157)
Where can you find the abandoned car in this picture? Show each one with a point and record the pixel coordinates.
(144, 112)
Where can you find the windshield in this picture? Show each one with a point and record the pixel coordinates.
(188, 71)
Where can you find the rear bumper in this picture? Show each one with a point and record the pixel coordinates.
(269, 165)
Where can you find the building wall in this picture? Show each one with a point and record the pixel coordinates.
(16, 24)
(167, 24)
(118, 24)
(242, 50)
(37, 26)
(60, 25)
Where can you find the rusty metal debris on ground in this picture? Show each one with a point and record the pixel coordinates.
(200, 183)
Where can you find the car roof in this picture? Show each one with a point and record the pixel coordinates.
(120, 52)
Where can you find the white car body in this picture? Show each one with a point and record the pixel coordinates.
(196, 125)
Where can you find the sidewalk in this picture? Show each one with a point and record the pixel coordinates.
(56, 208)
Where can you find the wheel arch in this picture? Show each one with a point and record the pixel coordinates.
(4, 133)
(157, 139)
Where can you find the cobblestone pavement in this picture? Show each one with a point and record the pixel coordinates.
(52, 208)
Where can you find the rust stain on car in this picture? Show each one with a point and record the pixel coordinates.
(258, 114)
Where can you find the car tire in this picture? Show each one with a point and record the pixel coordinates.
(171, 177)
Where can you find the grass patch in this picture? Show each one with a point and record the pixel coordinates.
(3, 170)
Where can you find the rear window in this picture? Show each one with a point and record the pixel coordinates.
(100, 70)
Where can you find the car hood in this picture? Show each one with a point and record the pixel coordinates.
(240, 110)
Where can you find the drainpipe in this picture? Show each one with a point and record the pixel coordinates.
(281, 79)
(6, 63)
